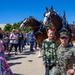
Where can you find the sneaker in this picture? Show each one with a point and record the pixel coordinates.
(16, 53)
(9, 55)
(20, 51)
(32, 51)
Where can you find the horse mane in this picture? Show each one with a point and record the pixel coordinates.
(32, 17)
(57, 15)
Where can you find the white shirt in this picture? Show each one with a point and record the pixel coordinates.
(15, 41)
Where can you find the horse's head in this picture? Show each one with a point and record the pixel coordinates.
(22, 26)
(51, 17)
(30, 22)
(48, 15)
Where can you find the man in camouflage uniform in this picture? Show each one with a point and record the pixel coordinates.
(64, 53)
(49, 51)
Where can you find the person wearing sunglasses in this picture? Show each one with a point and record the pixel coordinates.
(64, 53)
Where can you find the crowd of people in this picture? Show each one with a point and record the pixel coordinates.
(14, 40)
(54, 57)
(18, 39)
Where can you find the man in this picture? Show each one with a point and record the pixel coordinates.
(31, 40)
(64, 53)
(49, 51)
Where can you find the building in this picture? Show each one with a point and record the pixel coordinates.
(2, 25)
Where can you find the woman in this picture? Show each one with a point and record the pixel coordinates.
(4, 67)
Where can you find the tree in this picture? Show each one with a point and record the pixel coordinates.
(8, 27)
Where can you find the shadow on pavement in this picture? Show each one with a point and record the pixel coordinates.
(14, 58)
(28, 52)
(12, 64)
(18, 74)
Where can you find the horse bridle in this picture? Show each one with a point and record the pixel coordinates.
(51, 15)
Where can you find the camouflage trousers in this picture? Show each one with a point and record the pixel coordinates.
(54, 71)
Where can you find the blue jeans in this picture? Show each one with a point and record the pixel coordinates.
(31, 45)
(22, 44)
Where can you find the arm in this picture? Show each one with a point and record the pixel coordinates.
(43, 53)
(11, 37)
(71, 71)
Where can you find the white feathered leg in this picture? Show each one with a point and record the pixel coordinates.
(40, 54)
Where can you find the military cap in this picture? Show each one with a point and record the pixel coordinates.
(64, 33)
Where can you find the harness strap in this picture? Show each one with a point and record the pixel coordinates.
(41, 28)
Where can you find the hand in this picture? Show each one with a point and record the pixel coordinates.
(42, 52)
(70, 71)
(57, 65)
(44, 65)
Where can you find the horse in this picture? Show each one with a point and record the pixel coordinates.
(52, 18)
(35, 25)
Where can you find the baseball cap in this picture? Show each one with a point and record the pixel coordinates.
(64, 33)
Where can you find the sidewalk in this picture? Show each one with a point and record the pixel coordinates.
(26, 63)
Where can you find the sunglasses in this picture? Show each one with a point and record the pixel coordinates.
(64, 38)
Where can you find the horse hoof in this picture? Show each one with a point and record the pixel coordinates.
(39, 56)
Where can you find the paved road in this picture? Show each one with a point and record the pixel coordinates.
(26, 63)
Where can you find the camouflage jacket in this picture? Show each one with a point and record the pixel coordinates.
(49, 57)
(64, 54)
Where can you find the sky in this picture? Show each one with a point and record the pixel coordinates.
(13, 11)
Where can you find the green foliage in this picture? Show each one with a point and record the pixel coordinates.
(10, 27)
(16, 25)
(28, 29)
